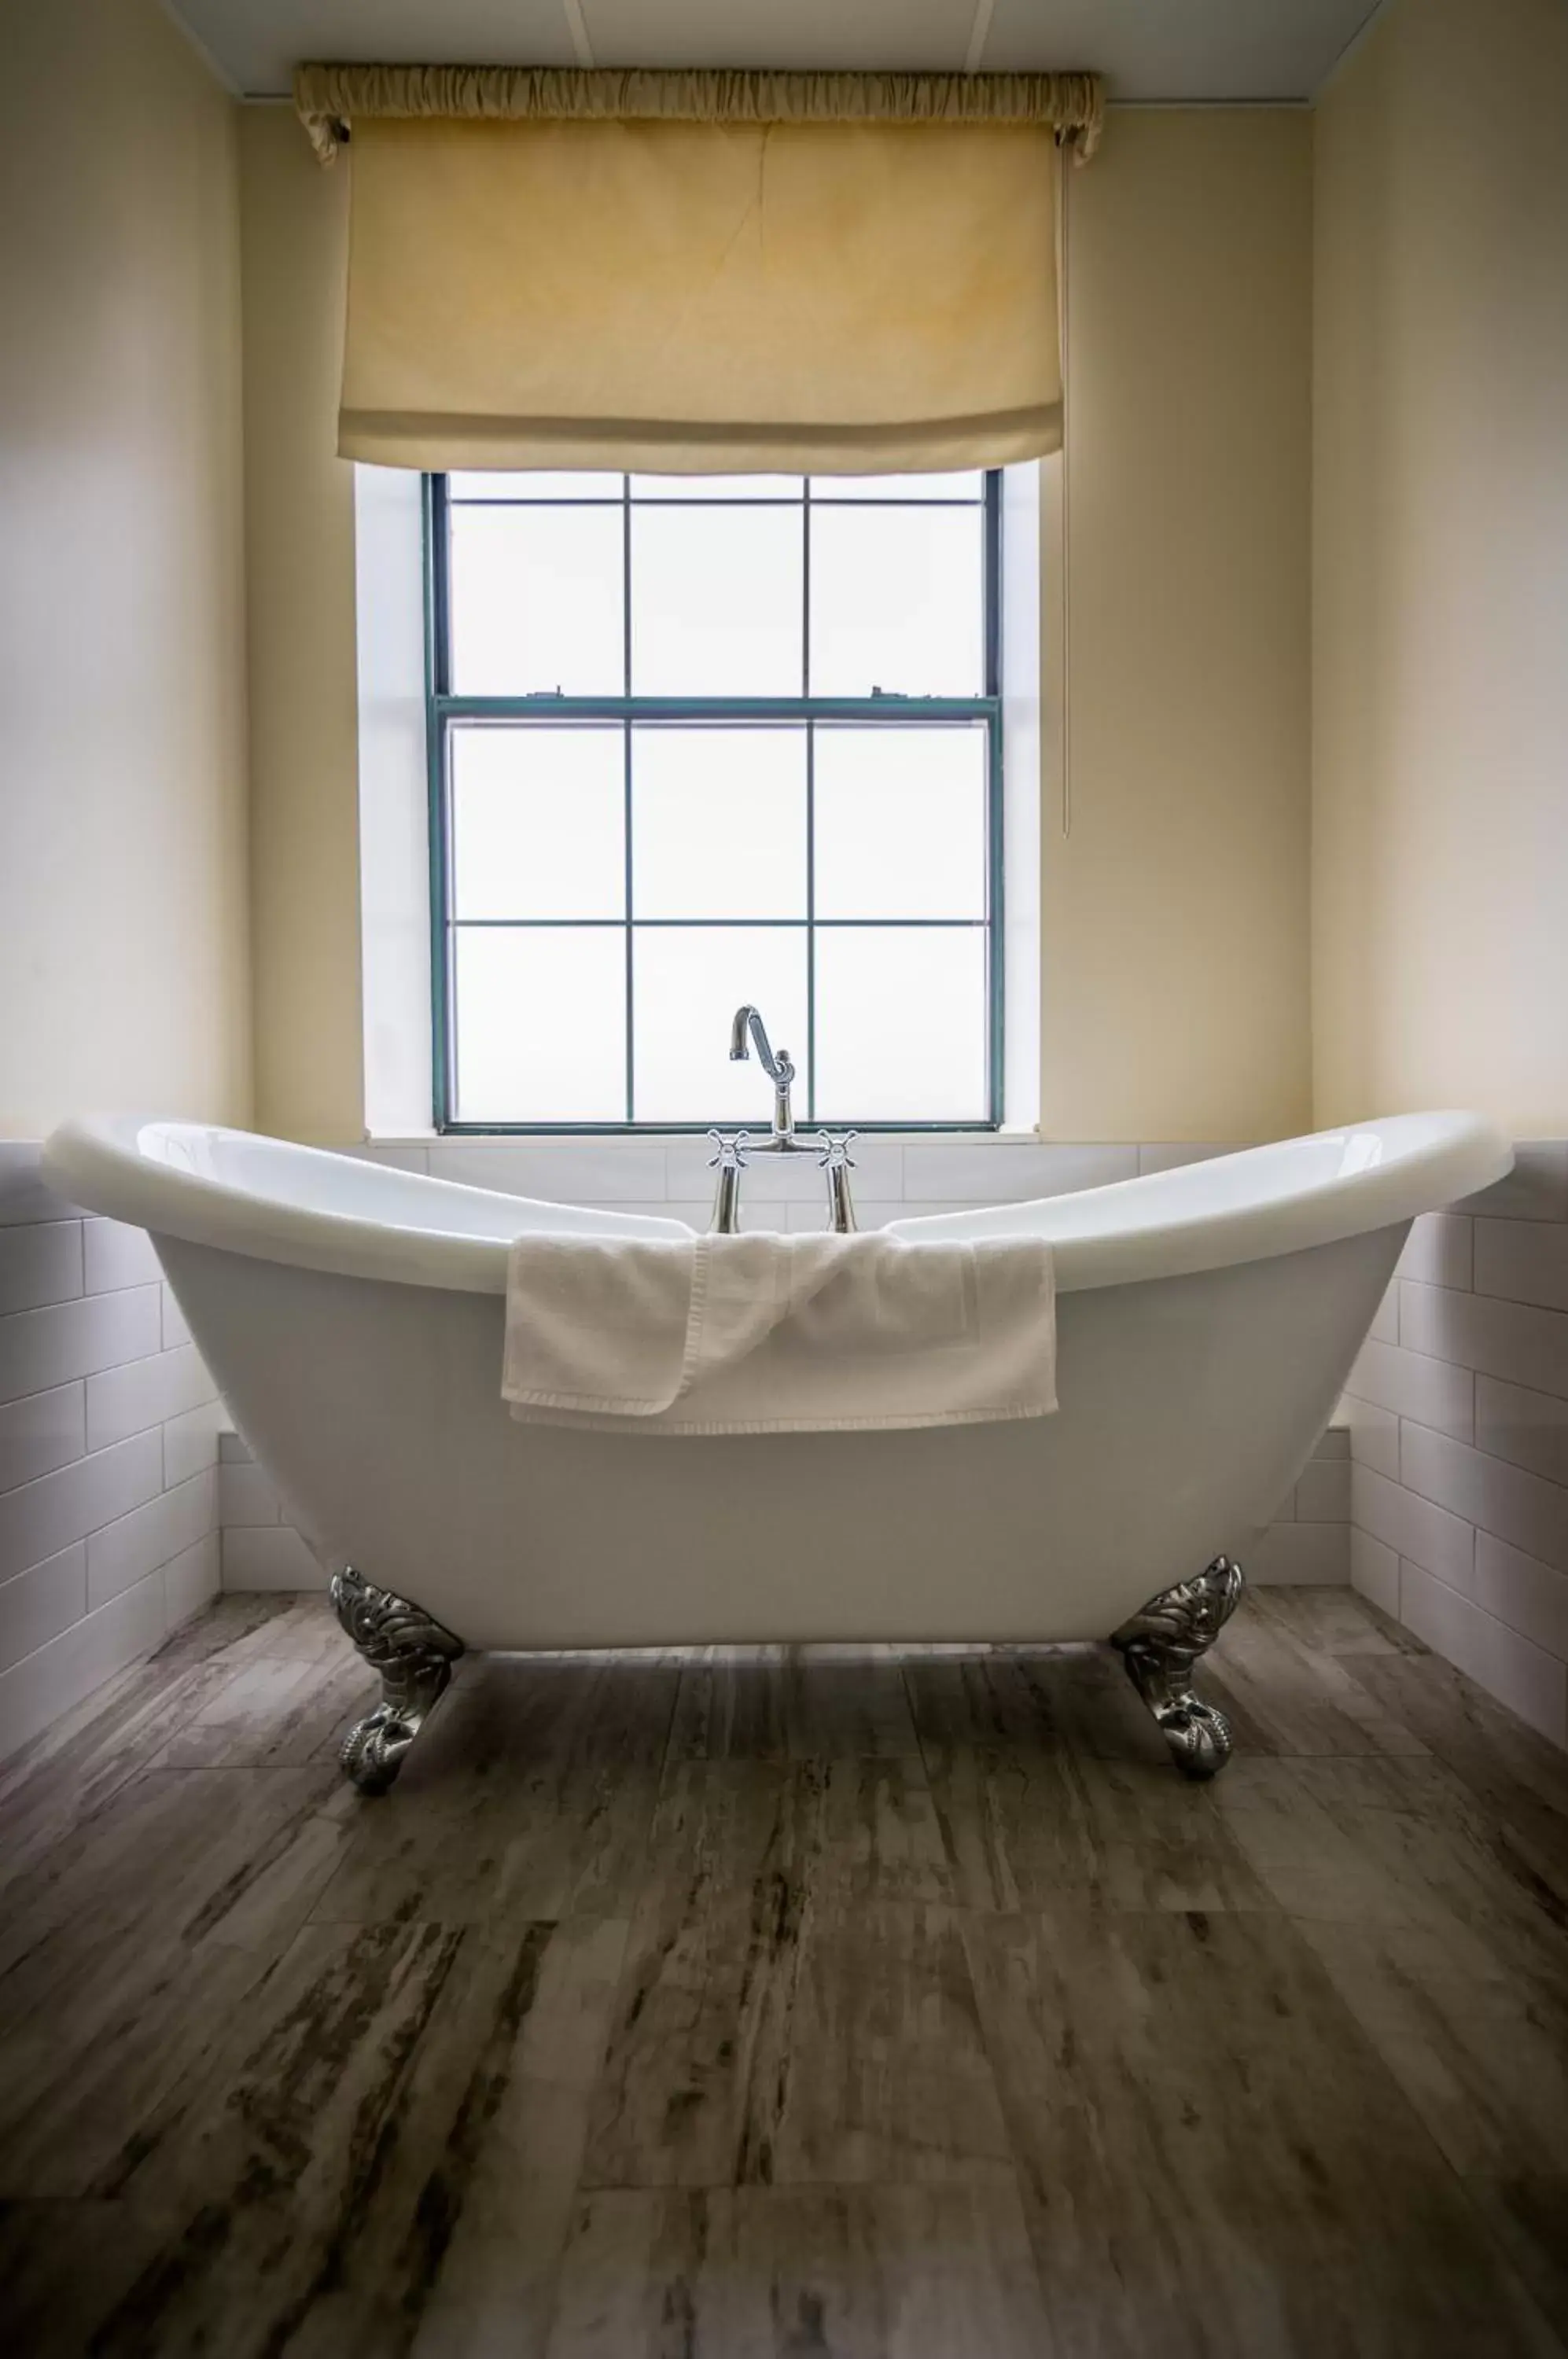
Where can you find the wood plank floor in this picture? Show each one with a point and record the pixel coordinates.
(787, 2002)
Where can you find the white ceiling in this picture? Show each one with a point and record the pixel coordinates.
(1146, 49)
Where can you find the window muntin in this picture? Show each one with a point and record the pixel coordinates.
(646, 804)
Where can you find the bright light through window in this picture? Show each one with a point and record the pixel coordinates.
(710, 739)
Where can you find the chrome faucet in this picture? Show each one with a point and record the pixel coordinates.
(778, 1069)
(733, 1155)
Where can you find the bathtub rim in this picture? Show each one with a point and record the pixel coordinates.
(1163, 1224)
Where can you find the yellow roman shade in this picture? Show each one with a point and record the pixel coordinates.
(733, 279)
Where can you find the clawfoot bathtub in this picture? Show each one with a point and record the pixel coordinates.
(353, 1317)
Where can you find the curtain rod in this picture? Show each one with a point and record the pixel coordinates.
(327, 98)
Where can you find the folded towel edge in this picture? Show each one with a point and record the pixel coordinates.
(600, 1420)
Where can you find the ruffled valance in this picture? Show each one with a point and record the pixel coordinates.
(329, 98)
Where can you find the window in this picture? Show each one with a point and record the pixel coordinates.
(697, 741)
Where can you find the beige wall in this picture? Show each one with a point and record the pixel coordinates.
(123, 920)
(1441, 590)
(1175, 910)
(300, 589)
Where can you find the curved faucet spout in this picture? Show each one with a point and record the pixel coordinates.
(778, 1069)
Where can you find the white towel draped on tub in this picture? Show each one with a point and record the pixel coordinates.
(778, 1334)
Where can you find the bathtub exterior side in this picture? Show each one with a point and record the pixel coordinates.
(1190, 1405)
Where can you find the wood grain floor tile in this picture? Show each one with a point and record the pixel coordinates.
(124, 1960)
(60, 1784)
(779, 2273)
(1287, 1697)
(530, 1794)
(763, 2035)
(1334, 1621)
(79, 2083)
(254, 2174)
(1482, 2061)
(838, 2000)
(875, 1832)
(1025, 1828)
(884, 2075)
(237, 1616)
(173, 1855)
(819, 1702)
(63, 1775)
(985, 1697)
(731, 1707)
(707, 1992)
(58, 2264)
(843, 1831)
(511, 2214)
(386, 2154)
(1520, 1778)
(305, 1630)
(274, 1711)
(1396, 1843)
(1214, 2160)
(839, 1706)
(526, 1710)
(1453, 1957)
(1078, 1697)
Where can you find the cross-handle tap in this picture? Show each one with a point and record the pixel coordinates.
(778, 1068)
(728, 1159)
(837, 1162)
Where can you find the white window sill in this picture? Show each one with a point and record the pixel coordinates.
(614, 1142)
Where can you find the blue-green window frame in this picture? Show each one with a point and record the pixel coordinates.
(442, 708)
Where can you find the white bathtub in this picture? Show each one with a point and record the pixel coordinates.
(352, 1316)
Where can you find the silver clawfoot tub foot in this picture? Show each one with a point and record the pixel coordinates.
(1160, 1646)
(414, 1656)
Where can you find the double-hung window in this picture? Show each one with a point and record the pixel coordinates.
(699, 740)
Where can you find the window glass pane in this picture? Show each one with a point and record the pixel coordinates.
(542, 1024)
(472, 484)
(969, 486)
(537, 601)
(716, 601)
(718, 822)
(901, 1023)
(538, 821)
(900, 822)
(896, 602)
(688, 985)
(723, 852)
(718, 487)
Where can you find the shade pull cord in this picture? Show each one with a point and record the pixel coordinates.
(1063, 218)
